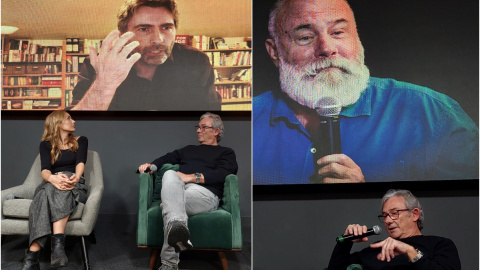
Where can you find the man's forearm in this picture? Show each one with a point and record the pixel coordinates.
(98, 97)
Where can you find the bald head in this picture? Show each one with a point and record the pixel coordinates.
(284, 9)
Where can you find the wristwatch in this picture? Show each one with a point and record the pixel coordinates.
(418, 257)
(198, 176)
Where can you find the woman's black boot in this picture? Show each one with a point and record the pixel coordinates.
(30, 260)
(58, 258)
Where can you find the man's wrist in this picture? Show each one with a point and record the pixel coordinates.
(417, 257)
(97, 97)
(198, 176)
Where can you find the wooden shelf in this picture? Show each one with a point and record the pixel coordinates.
(218, 67)
(227, 82)
(29, 97)
(30, 86)
(226, 50)
(236, 100)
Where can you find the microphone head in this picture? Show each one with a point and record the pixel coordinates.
(376, 229)
(153, 168)
(328, 106)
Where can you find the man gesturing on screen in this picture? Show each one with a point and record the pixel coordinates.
(390, 130)
(140, 67)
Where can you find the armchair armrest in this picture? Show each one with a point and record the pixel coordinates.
(230, 194)
(90, 211)
(23, 191)
(231, 204)
(145, 191)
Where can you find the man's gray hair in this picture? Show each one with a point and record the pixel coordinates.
(411, 202)
(217, 123)
(279, 8)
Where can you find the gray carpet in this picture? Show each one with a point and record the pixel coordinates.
(116, 248)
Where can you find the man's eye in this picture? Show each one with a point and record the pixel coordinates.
(338, 33)
(169, 27)
(304, 40)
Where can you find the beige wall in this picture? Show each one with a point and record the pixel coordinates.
(94, 19)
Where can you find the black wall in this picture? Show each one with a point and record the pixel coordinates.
(123, 143)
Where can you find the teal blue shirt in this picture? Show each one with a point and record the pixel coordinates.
(396, 131)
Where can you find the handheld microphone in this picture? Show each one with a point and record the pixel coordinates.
(374, 230)
(327, 140)
(152, 168)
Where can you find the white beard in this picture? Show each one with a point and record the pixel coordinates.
(310, 83)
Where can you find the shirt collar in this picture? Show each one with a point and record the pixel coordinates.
(281, 111)
(363, 107)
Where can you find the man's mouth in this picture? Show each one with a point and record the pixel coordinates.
(156, 52)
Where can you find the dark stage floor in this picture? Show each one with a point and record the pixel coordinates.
(116, 248)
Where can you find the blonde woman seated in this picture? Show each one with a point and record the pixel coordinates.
(63, 157)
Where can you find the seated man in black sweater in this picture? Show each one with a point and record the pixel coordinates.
(197, 187)
(406, 248)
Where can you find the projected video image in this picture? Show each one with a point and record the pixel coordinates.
(361, 91)
(127, 56)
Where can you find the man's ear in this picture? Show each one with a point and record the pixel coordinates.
(272, 50)
(216, 132)
(416, 214)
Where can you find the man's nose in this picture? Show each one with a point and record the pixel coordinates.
(326, 46)
(157, 36)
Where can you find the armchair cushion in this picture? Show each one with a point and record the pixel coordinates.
(19, 208)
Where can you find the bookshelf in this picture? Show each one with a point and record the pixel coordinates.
(32, 77)
(233, 79)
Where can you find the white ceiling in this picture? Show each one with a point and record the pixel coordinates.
(94, 19)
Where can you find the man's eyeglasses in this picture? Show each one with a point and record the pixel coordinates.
(201, 128)
(394, 214)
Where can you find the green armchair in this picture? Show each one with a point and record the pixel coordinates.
(218, 230)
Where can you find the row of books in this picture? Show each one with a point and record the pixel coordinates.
(73, 63)
(27, 51)
(236, 58)
(234, 91)
(53, 69)
(200, 42)
(71, 81)
(52, 92)
(77, 45)
(31, 80)
(203, 42)
(30, 104)
(87, 43)
(16, 80)
(68, 97)
(73, 45)
(242, 75)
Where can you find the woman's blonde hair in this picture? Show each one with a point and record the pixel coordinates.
(51, 133)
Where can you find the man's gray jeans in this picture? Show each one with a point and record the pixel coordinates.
(180, 200)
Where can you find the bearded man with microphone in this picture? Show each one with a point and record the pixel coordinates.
(405, 248)
(197, 187)
(388, 130)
